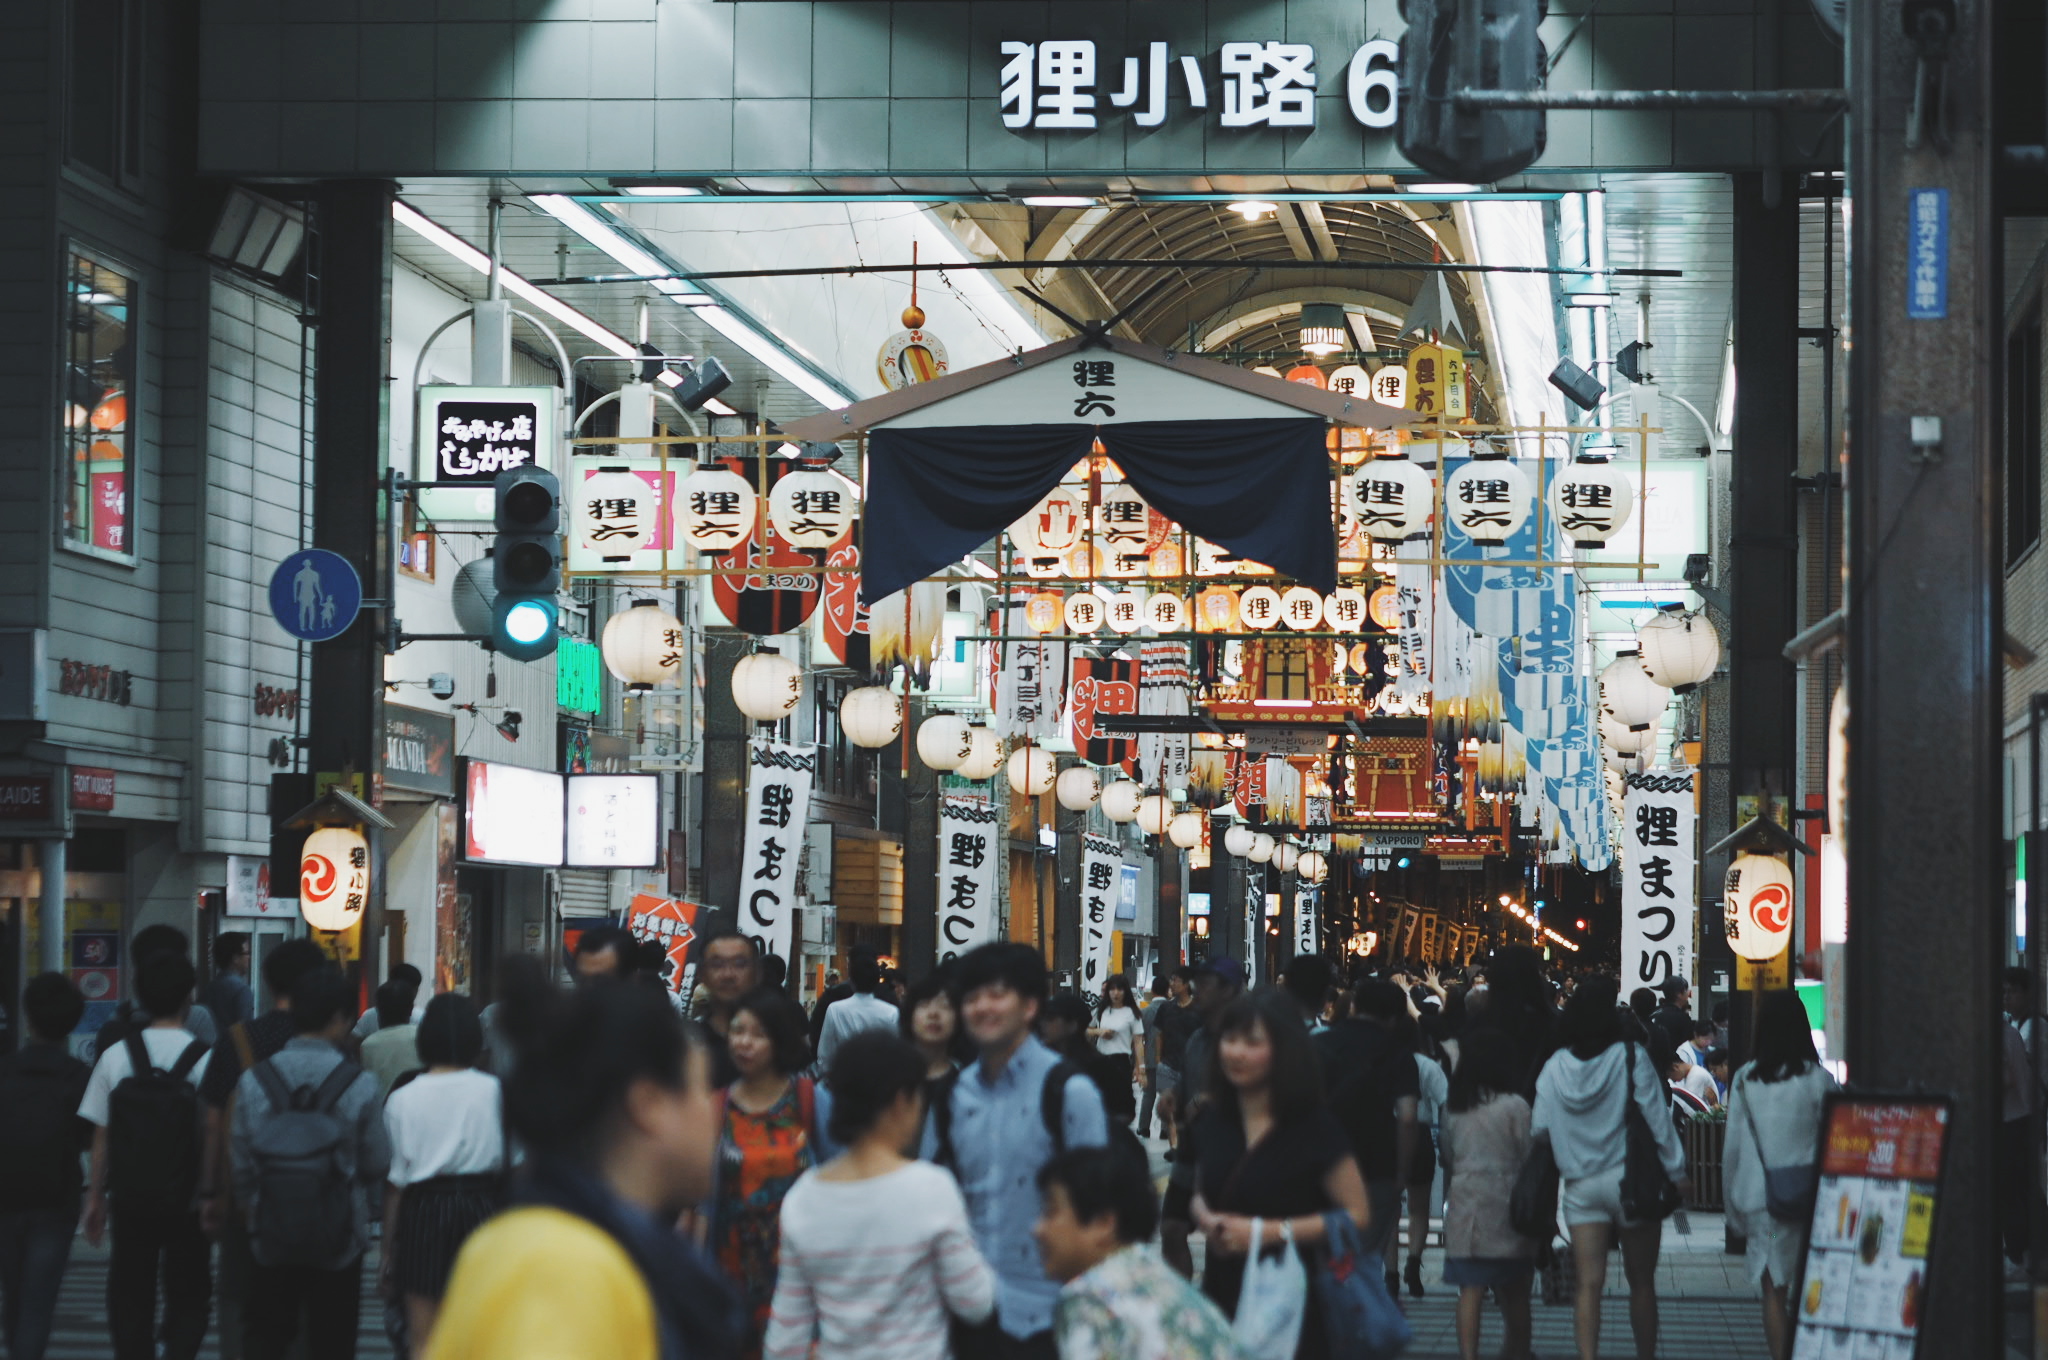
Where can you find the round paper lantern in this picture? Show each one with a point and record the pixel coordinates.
(1120, 801)
(1392, 498)
(1679, 650)
(1629, 696)
(334, 877)
(1593, 499)
(1155, 810)
(984, 754)
(1259, 607)
(1032, 770)
(1043, 612)
(1488, 497)
(766, 686)
(871, 716)
(1284, 856)
(812, 508)
(1627, 740)
(1077, 788)
(1126, 611)
(1312, 867)
(1052, 528)
(614, 513)
(1301, 608)
(943, 741)
(1758, 906)
(643, 646)
(714, 509)
(1344, 611)
(1084, 612)
(1261, 849)
(1166, 613)
(1185, 830)
(1349, 380)
(1238, 840)
(1838, 763)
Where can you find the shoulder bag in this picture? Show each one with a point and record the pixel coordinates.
(1532, 1204)
(1647, 1192)
(1360, 1319)
(1789, 1191)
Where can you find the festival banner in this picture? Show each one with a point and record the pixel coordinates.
(1029, 681)
(970, 849)
(1412, 597)
(1101, 688)
(778, 802)
(1163, 690)
(672, 923)
(1658, 901)
(1101, 863)
(1305, 903)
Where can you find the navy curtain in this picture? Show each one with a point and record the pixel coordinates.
(1260, 488)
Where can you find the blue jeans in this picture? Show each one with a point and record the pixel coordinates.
(35, 1244)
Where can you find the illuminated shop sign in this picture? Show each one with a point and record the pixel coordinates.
(1069, 84)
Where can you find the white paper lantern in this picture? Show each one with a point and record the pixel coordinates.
(1628, 741)
(1261, 849)
(1838, 764)
(613, 513)
(1758, 906)
(1052, 529)
(871, 716)
(1301, 608)
(1392, 498)
(1679, 650)
(943, 741)
(1126, 611)
(984, 754)
(1312, 867)
(1259, 607)
(813, 508)
(334, 877)
(1238, 840)
(1120, 801)
(714, 509)
(1155, 810)
(643, 646)
(1629, 696)
(1077, 788)
(767, 686)
(1390, 385)
(1349, 380)
(1284, 856)
(1166, 613)
(1345, 611)
(1185, 830)
(1122, 529)
(1032, 770)
(1084, 612)
(1488, 498)
(1593, 500)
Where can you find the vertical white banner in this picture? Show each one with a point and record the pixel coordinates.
(969, 851)
(1413, 596)
(1254, 925)
(1659, 896)
(1163, 691)
(1101, 863)
(778, 805)
(1030, 680)
(1305, 900)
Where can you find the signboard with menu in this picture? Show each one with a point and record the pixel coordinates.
(1865, 1285)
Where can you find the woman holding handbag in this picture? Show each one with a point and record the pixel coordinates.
(1774, 1106)
(1606, 1157)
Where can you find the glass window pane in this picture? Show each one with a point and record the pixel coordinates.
(97, 420)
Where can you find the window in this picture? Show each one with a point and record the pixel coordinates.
(97, 414)
(844, 770)
(103, 123)
(1286, 669)
(2022, 438)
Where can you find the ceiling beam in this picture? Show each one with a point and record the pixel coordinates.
(1290, 226)
(1319, 230)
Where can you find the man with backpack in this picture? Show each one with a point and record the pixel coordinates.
(994, 1124)
(143, 1100)
(1375, 1091)
(129, 1015)
(308, 1150)
(41, 1136)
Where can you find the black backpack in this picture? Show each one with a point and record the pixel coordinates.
(153, 1132)
(39, 1131)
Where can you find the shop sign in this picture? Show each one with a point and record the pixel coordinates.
(1070, 85)
(613, 821)
(669, 922)
(419, 751)
(471, 434)
(511, 815)
(269, 701)
(577, 675)
(92, 789)
(84, 681)
(26, 798)
(1659, 904)
(248, 889)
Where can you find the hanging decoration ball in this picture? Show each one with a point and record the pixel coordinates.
(1488, 497)
(1301, 608)
(1166, 613)
(1259, 607)
(1392, 498)
(1629, 696)
(1627, 740)
(1680, 650)
(1284, 856)
(1077, 788)
(714, 509)
(913, 317)
(1120, 801)
(1127, 611)
(1185, 830)
(1312, 867)
(1238, 840)
(1084, 612)
(984, 754)
(1032, 770)
(766, 686)
(943, 741)
(1262, 848)
(1593, 499)
(334, 877)
(1758, 906)
(813, 508)
(1155, 810)
(612, 513)
(642, 646)
(871, 716)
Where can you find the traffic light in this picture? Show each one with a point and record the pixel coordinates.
(526, 564)
(1456, 45)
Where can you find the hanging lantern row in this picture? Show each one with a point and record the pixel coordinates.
(715, 508)
(1218, 609)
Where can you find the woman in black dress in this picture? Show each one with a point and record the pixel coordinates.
(1267, 1147)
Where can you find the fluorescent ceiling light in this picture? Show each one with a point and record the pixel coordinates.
(775, 356)
(1252, 209)
(662, 191)
(1443, 188)
(1057, 201)
(616, 244)
(1589, 299)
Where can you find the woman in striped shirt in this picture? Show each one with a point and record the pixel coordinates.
(876, 1249)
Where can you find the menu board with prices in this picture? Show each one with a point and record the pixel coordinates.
(1865, 1285)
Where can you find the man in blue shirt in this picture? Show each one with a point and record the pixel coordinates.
(990, 1126)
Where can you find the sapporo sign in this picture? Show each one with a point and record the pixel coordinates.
(1068, 83)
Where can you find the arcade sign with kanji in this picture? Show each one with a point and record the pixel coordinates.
(1069, 84)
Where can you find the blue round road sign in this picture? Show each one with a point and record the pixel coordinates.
(315, 594)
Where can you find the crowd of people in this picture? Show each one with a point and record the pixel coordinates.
(945, 1166)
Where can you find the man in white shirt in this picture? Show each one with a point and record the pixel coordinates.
(862, 1011)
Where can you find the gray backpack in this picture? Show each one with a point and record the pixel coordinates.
(304, 1212)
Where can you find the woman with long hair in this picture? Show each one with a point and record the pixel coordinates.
(1485, 1141)
(612, 1100)
(1518, 1003)
(931, 1023)
(1267, 1147)
(1774, 1107)
(1582, 1101)
(1118, 1025)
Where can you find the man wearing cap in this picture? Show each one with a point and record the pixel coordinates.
(1217, 983)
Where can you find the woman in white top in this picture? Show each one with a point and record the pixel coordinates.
(876, 1248)
(449, 1161)
(1117, 1027)
(1774, 1123)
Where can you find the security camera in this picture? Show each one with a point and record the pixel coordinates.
(706, 379)
(441, 685)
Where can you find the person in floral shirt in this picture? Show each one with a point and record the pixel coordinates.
(1120, 1301)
